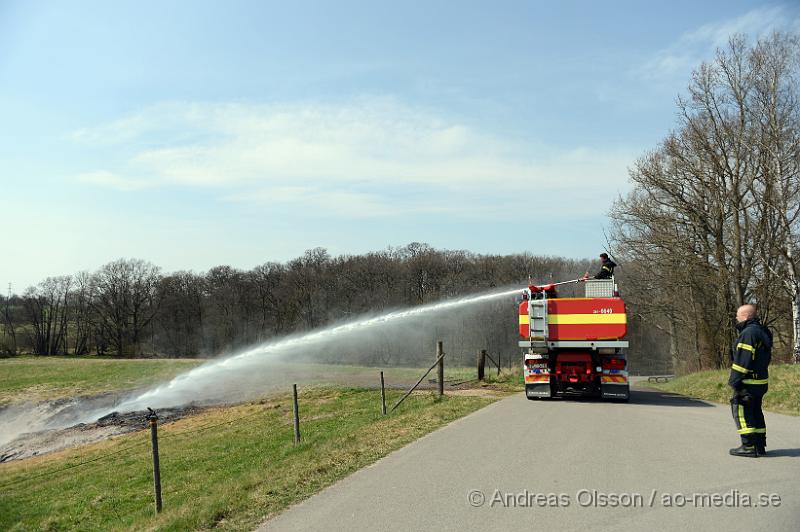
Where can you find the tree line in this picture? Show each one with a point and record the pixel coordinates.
(712, 219)
(129, 307)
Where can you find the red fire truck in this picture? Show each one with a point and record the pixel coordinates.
(574, 346)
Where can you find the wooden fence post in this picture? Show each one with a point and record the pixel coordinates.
(481, 364)
(440, 358)
(153, 418)
(383, 396)
(296, 409)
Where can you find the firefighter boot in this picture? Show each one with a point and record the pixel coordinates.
(745, 450)
(761, 445)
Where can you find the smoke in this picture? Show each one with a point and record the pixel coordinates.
(296, 358)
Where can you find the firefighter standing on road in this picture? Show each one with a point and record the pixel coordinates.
(606, 267)
(749, 378)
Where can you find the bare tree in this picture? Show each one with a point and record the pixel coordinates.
(268, 280)
(775, 113)
(310, 283)
(81, 316)
(717, 202)
(10, 323)
(125, 298)
(46, 307)
(181, 314)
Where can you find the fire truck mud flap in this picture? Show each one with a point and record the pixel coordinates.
(615, 392)
(537, 391)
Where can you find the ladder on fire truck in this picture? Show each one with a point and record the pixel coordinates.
(538, 317)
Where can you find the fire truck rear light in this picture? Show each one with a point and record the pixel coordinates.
(614, 363)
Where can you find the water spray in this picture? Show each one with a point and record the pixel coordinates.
(174, 393)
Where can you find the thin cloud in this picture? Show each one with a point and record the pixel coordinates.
(105, 179)
(697, 45)
(369, 157)
(318, 201)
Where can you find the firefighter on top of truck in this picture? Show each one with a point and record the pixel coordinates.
(606, 267)
(749, 379)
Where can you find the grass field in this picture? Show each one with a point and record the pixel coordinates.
(39, 378)
(228, 468)
(783, 395)
(31, 378)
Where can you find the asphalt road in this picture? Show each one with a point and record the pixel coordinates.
(571, 465)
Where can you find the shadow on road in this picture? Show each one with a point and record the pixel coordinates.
(648, 396)
(795, 453)
(642, 396)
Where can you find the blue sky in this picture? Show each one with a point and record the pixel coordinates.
(193, 134)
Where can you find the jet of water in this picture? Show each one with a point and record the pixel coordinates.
(188, 387)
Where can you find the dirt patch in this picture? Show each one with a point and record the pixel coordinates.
(48, 441)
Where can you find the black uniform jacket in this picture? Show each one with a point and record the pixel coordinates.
(606, 270)
(751, 355)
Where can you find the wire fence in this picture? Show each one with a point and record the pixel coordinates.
(171, 437)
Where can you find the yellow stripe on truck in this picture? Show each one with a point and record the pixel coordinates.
(524, 319)
(580, 319)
